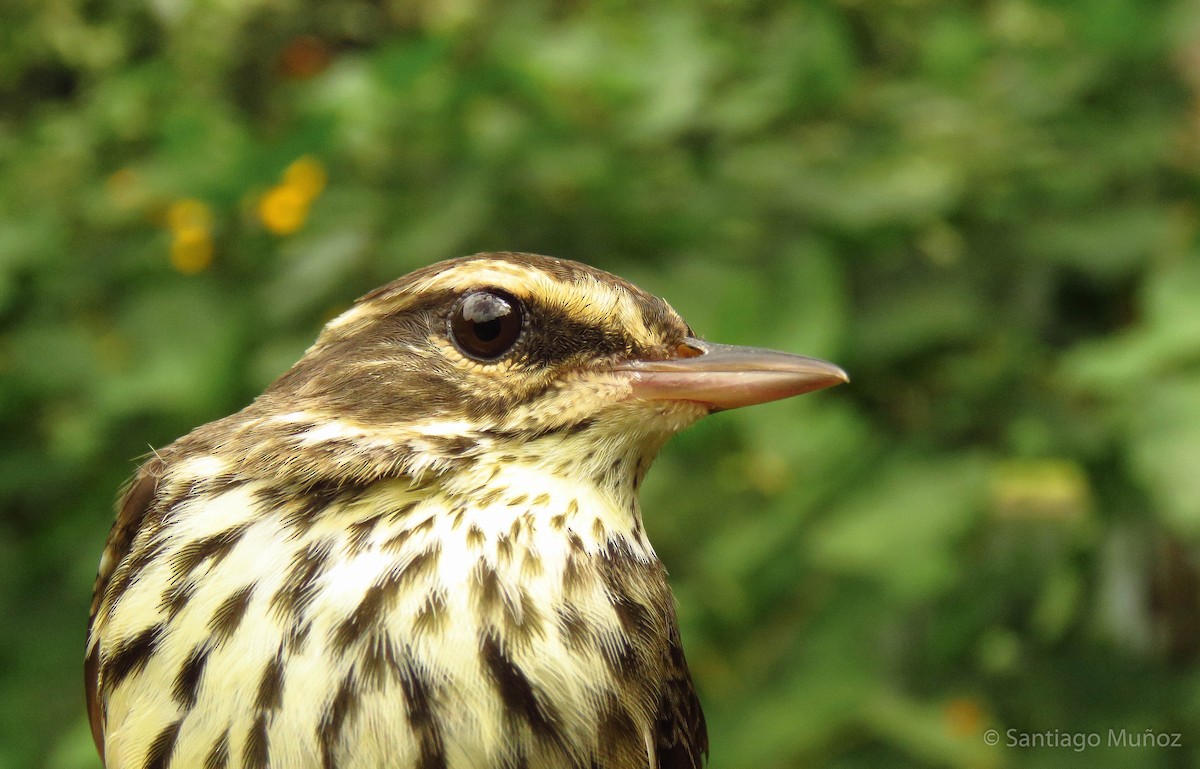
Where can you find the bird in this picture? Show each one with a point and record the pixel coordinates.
(422, 546)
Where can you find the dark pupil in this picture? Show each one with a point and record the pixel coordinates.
(487, 330)
(486, 325)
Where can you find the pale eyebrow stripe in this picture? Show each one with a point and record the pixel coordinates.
(589, 301)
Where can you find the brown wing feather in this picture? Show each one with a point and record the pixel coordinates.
(681, 734)
(135, 503)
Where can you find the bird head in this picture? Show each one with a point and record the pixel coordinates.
(500, 352)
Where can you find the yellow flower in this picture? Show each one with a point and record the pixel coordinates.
(191, 250)
(306, 175)
(283, 209)
(964, 716)
(190, 222)
(189, 213)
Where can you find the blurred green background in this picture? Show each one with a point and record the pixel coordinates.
(986, 211)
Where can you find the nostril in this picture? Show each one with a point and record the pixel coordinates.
(692, 347)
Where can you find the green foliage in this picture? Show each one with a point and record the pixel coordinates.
(985, 212)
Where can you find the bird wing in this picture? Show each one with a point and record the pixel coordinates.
(135, 504)
(680, 731)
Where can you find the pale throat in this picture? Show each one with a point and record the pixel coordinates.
(584, 484)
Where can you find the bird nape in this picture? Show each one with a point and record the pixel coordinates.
(421, 547)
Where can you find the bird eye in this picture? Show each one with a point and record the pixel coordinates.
(486, 324)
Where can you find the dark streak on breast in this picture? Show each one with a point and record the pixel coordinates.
(130, 656)
(418, 702)
(300, 583)
(256, 753)
(229, 614)
(159, 755)
(516, 691)
(187, 681)
(215, 546)
(218, 754)
(341, 708)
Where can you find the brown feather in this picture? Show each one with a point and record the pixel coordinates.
(135, 504)
(681, 733)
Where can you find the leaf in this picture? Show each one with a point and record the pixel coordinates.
(901, 530)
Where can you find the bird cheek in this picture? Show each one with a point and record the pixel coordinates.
(655, 420)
